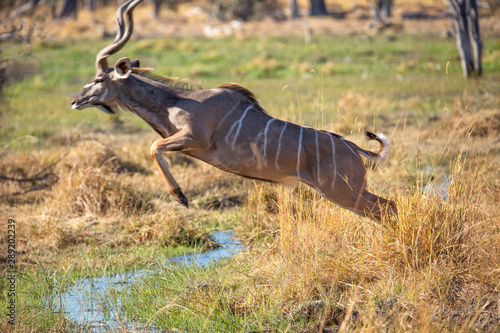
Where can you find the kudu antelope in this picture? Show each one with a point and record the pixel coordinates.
(227, 128)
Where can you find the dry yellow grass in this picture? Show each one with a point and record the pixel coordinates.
(435, 267)
(96, 193)
(438, 259)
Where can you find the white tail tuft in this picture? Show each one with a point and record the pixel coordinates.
(384, 147)
(386, 144)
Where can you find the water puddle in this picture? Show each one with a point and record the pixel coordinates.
(440, 182)
(230, 247)
(438, 189)
(87, 302)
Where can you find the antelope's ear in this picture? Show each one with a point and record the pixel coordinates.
(123, 68)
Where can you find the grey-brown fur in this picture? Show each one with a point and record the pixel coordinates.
(227, 128)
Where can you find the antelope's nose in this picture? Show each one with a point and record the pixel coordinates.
(73, 104)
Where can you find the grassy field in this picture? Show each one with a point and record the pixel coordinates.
(93, 203)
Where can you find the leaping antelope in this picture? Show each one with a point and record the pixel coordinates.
(227, 128)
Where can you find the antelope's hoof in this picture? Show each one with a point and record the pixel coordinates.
(184, 201)
(181, 198)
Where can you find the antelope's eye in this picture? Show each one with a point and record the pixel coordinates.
(99, 80)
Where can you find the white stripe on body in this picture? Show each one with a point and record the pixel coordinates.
(334, 164)
(344, 141)
(366, 155)
(299, 151)
(279, 146)
(265, 140)
(317, 158)
(237, 124)
(227, 115)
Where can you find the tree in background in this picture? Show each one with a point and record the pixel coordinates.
(227, 10)
(465, 22)
(318, 8)
(171, 4)
(90, 5)
(16, 35)
(69, 9)
(381, 11)
(294, 9)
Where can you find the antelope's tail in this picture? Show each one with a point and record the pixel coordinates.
(379, 155)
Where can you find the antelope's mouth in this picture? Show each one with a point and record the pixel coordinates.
(80, 106)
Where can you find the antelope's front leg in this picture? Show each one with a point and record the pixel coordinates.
(177, 142)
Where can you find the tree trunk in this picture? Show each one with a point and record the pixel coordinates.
(91, 6)
(465, 22)
(475, 37)
(294, 9)
(157, 4)
(381, 11)
(318, 8)
(69, 8)
(3, 81)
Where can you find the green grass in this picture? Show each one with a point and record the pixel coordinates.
(43, 281)
(420, 77)
(210, 299)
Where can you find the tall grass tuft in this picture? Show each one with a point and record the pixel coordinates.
(93, 191)
(437, 258)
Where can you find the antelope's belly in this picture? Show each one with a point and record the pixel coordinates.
(247, 163)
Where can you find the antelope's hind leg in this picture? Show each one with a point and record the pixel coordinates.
(365, 204)
(177, 142)
(374, 206)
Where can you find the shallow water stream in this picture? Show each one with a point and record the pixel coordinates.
(87, 300)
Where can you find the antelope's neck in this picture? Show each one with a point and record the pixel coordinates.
(151, 101)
